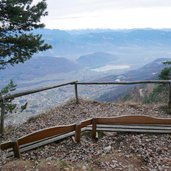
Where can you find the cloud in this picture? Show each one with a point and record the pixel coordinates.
(68, 14)
(62, 8)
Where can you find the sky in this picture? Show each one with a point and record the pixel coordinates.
(108, 14)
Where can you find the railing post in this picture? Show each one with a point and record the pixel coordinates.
(76, 93)
(78, 132)
(2, 105)
(169, 103)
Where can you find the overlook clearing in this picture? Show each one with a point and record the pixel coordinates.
(77, 117)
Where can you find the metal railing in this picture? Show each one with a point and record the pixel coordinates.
(75, 83)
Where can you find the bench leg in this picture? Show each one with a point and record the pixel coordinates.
(94, 126)
(78, 133)
(16, 149)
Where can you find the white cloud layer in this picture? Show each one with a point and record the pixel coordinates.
(80, 14)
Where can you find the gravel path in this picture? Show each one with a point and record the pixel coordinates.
(113, 151)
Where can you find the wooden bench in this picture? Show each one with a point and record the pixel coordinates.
(142, 124)
(42, 137)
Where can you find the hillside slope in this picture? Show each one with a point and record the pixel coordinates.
(38, 67)
(147, 72)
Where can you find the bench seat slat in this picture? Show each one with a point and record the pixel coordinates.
(135, 130)
(137, 126)
(117, 129)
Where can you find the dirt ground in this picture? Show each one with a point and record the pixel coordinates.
(112, 151)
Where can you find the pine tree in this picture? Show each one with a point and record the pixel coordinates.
(18, 19)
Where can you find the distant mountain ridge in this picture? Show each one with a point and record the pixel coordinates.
(48, 69)
(38, 67)
(76, 43)
(97, 59)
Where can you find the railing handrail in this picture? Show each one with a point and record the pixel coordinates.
(75, 83)
(128, 82)
(32, 91)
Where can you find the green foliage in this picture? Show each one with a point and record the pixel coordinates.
(17, 19)
(165, 74)
(160, 92)
(167, 62)
(8, 88)
(9, 105)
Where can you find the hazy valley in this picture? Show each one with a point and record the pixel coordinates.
(88, 55)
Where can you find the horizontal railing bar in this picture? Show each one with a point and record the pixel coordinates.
(127, 82)
(27, 92)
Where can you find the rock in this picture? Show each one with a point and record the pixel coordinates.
(113, 166)
(108, 148)
(49, 158)
(112, 134)
(114, 161)
(84, 167)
